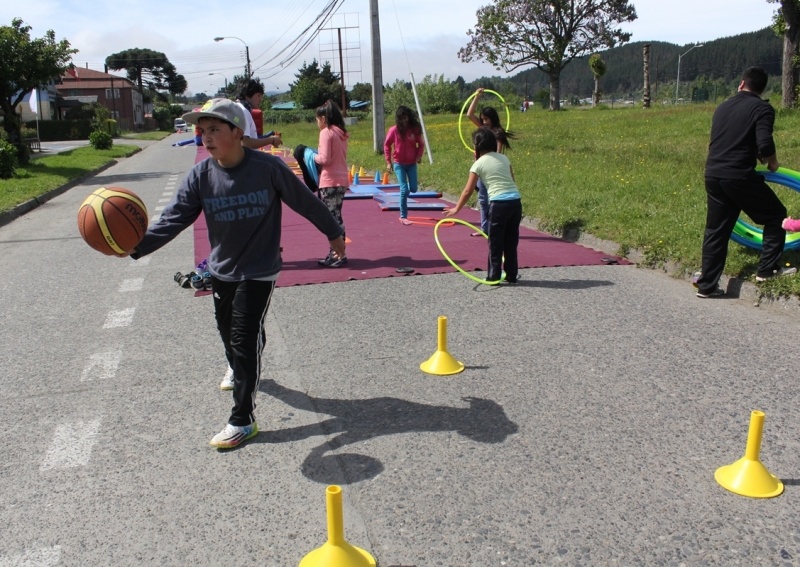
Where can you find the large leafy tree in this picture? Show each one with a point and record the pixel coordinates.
(787, 26)
(547, 34)
(26, 64)
(315, 85)
(150, 70)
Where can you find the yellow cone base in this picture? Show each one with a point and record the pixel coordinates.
(748, 477)
(442, 363)
(344, 555)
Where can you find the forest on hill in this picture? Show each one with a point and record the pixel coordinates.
(716, 66)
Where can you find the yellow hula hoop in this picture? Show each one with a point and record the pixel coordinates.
(446, 257)
(464, 107)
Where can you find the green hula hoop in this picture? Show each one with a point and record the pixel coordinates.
(464, 107)
(446, 257)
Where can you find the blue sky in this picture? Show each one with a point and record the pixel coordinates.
(418, 36)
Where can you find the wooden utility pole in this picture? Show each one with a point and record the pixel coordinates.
(378, 120)
(341, 73)
(646, 57)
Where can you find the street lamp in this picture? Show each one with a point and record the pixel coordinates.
(224, 77)
(678, 81)
(246, 52)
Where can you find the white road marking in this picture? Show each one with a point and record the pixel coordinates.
(142, 261)
(102, 365)
(164, 200)
(154, 218)
(121, 318)
(133, 284)
(159, 209)
(72, 445)
(43, 557)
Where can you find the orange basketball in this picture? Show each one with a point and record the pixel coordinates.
(113, 220)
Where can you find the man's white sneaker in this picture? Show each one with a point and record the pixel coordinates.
(233, 435)
(227, 380)
(777, 273)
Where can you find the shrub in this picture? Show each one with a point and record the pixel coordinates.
(101, 140)
(8, 160)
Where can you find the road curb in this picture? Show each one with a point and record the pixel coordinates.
(26, 207)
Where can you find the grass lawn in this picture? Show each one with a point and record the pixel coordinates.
(49, 172)
(149, 135)
(630, 175)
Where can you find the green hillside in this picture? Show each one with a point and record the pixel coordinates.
(716, 65)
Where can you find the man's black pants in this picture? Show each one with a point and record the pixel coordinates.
(726, 199)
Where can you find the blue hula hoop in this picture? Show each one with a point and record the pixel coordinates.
(748, 235)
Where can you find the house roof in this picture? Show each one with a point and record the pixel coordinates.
(91, 79)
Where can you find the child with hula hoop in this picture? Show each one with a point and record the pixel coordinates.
(488, 118)
(505, 204)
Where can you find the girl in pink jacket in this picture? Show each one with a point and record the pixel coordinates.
(406, 139)
(332, 161)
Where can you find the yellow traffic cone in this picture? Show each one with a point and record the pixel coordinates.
(442, 363)
(353, 169)
(337, 552)
(361, 172)
(747, 476)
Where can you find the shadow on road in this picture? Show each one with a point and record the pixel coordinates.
(483, 421)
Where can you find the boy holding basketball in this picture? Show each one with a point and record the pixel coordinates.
(239, 191)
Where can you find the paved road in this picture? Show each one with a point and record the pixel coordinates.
(596, 405)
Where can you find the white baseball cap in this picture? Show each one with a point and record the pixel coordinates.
(222, 109)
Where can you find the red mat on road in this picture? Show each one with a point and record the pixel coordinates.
(379, 244)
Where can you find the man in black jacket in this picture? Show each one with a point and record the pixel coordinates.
(741, 134)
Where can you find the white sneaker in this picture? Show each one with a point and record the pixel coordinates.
(233, 435)
(777, 274)
(227, 380)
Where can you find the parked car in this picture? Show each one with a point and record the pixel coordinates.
(180, 125)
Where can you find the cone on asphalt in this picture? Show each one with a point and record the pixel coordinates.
(441, 362)
(747, 476)
(336, 552)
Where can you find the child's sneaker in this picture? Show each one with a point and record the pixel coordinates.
(332, 262)
(233, 435)
(207, 281)
(184, 280)
(791, 225)
(197, 282)
(227, 380)
(777, 273)
(337, 263)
